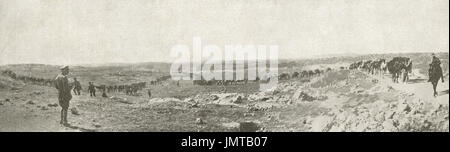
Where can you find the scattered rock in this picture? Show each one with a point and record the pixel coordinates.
(7, 100)
(214, 97)
(358, 91)
(237, 100)
(194, 105)
(248, 127)
(52, 105)
(232, 126)
(404, 107)
(121, 100)
(389, 114)
(44, 108)
(74, 111)
(37, 93)
(249, 115)
(390, 88)
(97, 125)
(30, 102)
(199, 121)
(303, 96)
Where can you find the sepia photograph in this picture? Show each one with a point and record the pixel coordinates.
(224, 66)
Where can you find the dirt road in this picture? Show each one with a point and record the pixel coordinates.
(418, 86)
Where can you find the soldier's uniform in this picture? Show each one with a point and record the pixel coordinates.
(64, 95)
(91, 89)
(435, 61)
(77, 87)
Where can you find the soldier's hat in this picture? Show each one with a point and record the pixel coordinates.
(64, 67)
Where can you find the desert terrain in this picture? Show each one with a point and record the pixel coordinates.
(337, 100)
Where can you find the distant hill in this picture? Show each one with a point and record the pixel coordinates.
(97, 71)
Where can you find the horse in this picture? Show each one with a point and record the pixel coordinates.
(397, 65)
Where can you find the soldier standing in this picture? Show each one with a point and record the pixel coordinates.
(64, 96)
(77, 87)
(91, 89)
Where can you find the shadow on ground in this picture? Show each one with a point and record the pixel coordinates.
(443, 92)
(417, 80)
(79, 128)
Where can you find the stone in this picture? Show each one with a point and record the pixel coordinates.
(232, 126)
(248, 126)
(389, 114)
(390, 88)
(52, 105)
(404, 108)
(30, 102)
(249, 115)
(374, 80)
(199, 121)
(214, 97)
(74, 111)
(44, 108)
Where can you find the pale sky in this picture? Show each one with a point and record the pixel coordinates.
(97, 31)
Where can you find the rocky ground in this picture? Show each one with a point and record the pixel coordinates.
(340, 100)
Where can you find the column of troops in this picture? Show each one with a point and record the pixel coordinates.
(28, 79)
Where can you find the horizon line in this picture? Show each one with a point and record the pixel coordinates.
(324, 56)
